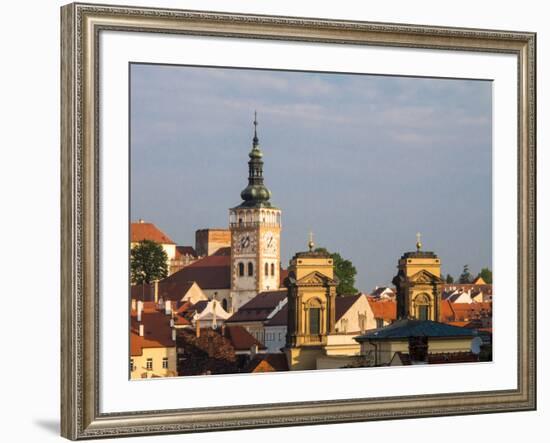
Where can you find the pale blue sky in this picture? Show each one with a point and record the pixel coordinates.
(363, 161)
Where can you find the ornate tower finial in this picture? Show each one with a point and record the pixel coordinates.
(256, 194)
(255, 140)
(310, 244)
(418, 241)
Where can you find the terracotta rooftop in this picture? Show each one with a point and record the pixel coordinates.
(241, 339)
(267, 363)
(157, 331)
(211, 272)
(148, 231)
(464, 311)
(383, 309)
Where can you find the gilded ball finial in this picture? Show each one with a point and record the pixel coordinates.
(311, 244)
(418, 242)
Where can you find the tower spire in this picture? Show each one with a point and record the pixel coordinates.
(255, 140)
(255, 194)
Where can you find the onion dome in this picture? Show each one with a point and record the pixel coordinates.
(255, 194)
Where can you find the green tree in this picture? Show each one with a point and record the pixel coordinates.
(449, 279)
(344, 270)
(465, 277)
(148, 262)
(487, 275)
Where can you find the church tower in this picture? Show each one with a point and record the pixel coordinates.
(418, 283)
(311, 286)
(255, 235)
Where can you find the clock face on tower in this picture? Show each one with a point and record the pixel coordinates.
(245, 243)
(269, 243)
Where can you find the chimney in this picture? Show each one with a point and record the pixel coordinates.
(197, 328)
(141, 330)
(139, 309)
(168, 307)
(156, 283)
(134, 304)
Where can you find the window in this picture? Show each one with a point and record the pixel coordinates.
(224, 304)
(314, 321)
(423, 312)
(379, 323)
(422, 307)
(266, 269)
(149, 364)
(132, 366)
(272, 269)
(165, 363)
(250, 269)
(241, 269)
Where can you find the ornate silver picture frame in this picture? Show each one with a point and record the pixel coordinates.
(81, 27)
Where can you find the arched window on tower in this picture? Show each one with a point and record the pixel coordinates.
(250, 269)
(224, 304)
(241, 269)
(272, 269)
(266, 269)
(422, 307)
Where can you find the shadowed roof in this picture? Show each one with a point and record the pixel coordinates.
(259, 307)
(416, 328)
(211, 272)
(343, 303)
(241, 339)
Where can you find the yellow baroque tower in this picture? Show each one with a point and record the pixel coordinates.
(311, 308)
(418, 283)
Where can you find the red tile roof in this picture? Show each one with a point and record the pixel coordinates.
(241, 339)
(148, 231)
(383, 309)
(157, 331)
(211, 272)
(453, 312)
(267, 363)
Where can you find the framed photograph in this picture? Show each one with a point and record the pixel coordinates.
(279, 221)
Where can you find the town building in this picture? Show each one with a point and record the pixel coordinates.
(177, 256)
(152, 341)
(254, 314)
